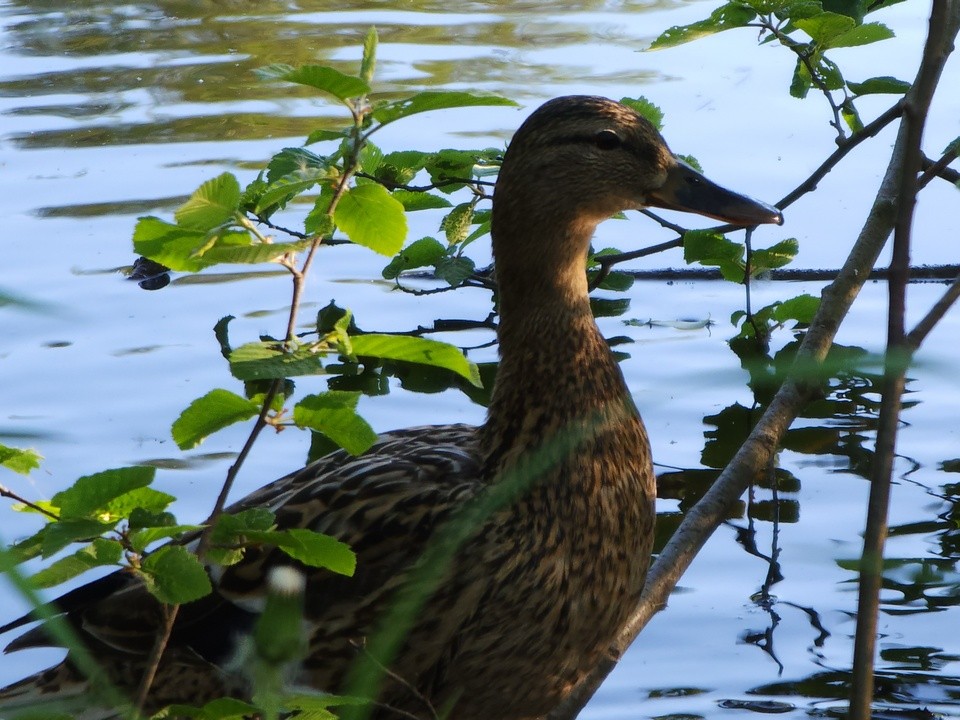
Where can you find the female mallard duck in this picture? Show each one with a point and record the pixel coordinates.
(538, 591)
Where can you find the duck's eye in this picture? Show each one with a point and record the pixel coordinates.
(607, 140)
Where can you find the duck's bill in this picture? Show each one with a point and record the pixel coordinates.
(689, 191)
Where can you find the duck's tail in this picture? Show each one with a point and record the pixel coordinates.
(59, 689)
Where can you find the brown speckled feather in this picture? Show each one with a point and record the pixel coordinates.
(538, 591)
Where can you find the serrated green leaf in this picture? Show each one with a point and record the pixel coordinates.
(334, 414)
(371, 217)
(416, 350)
(324, 135)
(802, 308)
(393, 110)
(170, 245)
(269, 361)
(421, 253)
(98, 553)
(140, 540)
(293, 160)
(19, 460)
(861, 35)
(824, 27)
(206, 415)
(706, 247)
(413, 201)
(146, 499)
(322, 78)
(646, 109)
(219, 709)
(879, 85)
(55, 536)
(370, 158)
(454, 270)
(775, 256)
(731, 15)
(256, 253)
(175, 576)
(92, 493)
(211, 205)
(313, 549)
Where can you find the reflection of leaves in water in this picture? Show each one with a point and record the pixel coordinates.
(922, 583)
(904, 688)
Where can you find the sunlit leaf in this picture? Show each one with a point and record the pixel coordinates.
(98, 553)
(269, 361)
(323, 78)
(861, 35)
(312, 548)
(647, 109)
(417, 350)
(93, 493)
(731, 15)
(421, 253)
(141, 539)
(334, 414)
(145, 499)
(775, 256)
(826, 26)
(212, 204)
(170, 244)
(256, 253)
(174, 575)
(19, 460)
(412, 201)
(206, 415)
(433, 100)
(879, 85)
(371, 217)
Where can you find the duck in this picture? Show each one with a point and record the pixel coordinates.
(537, 590)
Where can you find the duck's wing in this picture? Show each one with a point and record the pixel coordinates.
(385, 504)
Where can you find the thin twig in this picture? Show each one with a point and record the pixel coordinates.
(871, 562)
(919, 333)
(8, 493)
(156, 653)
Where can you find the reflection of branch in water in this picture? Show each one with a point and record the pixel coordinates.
(814, 617)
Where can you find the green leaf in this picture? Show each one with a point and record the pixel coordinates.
(211, 205)
(371, 217)
(826, 26)
(369, 62)
(413, 201)
(320, 77)
(861, 35)
(315, 549)
(801, 308)
(206, 415)
(256, 253)
(416, 350)
(98, 553)
(175, 576)
(19, 460)
(140, 540)
(90, 494)
(647, 109)
(219, 709)
(370, 158)
(706, 247)
(269, 361)
(879, 85)
(170, 245)
(144, 499)
(55, 536)
(399, 168)
(731, 15)
(851, 116)
(617, 281)
(775, 256)
(334, 414)
(420, 253)
(391, 111)
(454, 270)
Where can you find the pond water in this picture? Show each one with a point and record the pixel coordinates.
(111, 111)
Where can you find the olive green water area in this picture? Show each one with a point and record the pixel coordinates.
(110, 111)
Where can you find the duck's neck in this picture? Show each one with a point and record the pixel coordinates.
(557, 377)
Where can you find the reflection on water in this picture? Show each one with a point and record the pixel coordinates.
(115, 110)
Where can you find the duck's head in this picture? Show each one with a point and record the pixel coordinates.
(583, 158)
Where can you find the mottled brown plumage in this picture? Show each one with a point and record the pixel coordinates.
(540, 588)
